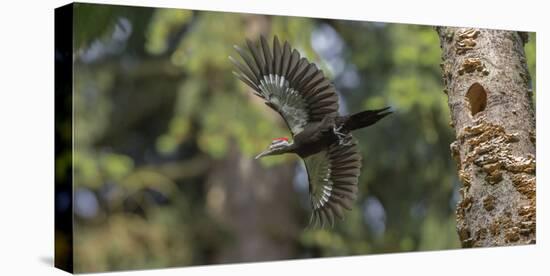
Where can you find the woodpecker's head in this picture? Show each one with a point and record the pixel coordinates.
(277, 146)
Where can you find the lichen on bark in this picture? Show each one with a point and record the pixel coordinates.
(487, 84)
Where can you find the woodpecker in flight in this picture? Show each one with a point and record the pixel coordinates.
(308, 103)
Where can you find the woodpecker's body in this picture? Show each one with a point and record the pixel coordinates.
(308, 103)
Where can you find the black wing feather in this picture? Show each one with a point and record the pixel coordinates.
(295, 87)
(333, 176)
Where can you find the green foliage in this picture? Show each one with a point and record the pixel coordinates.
(221, 114)
(415, 78)
(158, 247)
(116, 166)
(102, 17)
(163, 24)
(531, 56)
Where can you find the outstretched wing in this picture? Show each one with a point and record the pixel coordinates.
(333, 175)
(289, 84)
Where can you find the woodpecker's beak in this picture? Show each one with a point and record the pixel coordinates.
(264, 153)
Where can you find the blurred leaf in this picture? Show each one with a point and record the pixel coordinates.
(102, 18)
(531, 55)
(165, 22)
(116, 166)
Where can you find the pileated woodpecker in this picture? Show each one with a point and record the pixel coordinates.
(308, 103)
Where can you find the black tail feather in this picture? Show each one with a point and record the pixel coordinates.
(365, 118)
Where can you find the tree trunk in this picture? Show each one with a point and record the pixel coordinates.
(257, 204)
(487, 83)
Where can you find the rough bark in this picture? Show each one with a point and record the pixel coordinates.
(487, 83)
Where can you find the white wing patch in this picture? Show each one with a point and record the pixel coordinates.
(333, 175)
(288, 101)
(319, 173)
